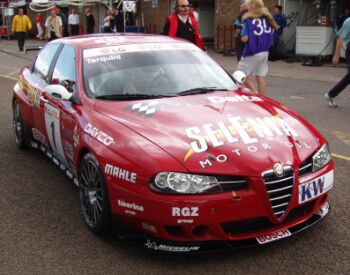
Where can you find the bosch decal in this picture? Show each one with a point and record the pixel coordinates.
(273, 236)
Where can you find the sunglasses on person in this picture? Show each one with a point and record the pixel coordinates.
(184, 6)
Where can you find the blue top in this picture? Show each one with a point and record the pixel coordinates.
(260, 36)
(238, 24)
(281, 21)
(345, 31)
(340, 20)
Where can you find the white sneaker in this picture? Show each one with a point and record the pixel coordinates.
(331, 101)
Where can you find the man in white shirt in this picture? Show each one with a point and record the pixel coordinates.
(73, 22)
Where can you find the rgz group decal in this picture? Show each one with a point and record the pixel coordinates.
(184, 213)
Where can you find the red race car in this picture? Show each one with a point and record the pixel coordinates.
(167, 148)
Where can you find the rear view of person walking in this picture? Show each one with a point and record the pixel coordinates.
(20, 25)
(257, 34)
(343, 36)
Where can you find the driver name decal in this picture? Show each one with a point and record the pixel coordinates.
(103, 59)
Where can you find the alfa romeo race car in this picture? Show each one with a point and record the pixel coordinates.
(168, 147)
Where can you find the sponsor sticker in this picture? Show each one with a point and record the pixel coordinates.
(120, 173)
(316, 187)
(130, 208)
(98, 135)
(170, 248)
(273, 236)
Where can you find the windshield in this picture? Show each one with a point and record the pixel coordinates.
(151, 70)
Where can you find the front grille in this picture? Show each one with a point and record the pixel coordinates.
(305, 167)
(232, 183)
(279, 190)
(261, 223)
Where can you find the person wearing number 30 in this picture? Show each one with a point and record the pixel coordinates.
(257, 34)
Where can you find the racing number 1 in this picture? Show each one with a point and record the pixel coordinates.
(52, 126)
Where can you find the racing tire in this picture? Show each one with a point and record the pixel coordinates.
(18, 126)
(94, 200)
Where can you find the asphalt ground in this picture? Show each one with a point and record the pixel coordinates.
(42, 230)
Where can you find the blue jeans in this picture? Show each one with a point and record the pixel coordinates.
(345, 81)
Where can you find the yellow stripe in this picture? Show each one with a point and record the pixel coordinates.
(8, 77)
(341, 157)
(189, 153)
(342, 136)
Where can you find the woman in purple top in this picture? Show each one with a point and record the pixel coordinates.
(257, 34)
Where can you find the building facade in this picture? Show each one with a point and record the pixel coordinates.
(216, 18)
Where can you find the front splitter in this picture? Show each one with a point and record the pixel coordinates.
(213, 246)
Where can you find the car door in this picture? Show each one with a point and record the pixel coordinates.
(60, 115)
(37, 82)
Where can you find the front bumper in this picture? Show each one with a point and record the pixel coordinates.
(211, 246)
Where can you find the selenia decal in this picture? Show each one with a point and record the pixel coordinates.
(52, 123)
(237, 130)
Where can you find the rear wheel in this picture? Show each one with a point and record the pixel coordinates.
(18, 126)
(94, 199)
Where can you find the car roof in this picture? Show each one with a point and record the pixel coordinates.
(103, 40)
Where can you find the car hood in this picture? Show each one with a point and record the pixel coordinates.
(224, 132)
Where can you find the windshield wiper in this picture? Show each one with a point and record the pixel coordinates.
(201, 90)
(133, 96)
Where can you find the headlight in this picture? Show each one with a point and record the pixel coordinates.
(171, 182)
(321, 158)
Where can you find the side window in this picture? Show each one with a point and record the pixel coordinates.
(64, 71)
(44, 59)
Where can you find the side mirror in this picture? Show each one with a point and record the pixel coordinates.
(239, 76)
(59, 92)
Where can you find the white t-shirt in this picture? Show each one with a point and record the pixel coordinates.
(73, 19)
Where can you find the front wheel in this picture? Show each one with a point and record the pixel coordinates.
(94, 199)
(18, 126)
